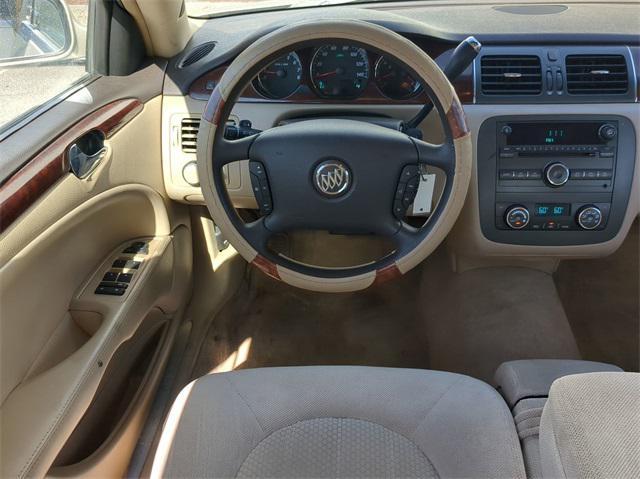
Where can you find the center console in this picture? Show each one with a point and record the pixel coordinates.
(554, 180)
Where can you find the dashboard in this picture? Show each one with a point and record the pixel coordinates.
(540, 95)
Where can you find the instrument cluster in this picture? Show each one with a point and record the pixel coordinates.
(335, 71)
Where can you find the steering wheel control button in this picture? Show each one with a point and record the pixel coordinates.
(557, 174)
(260, 187)
(589, 217)
(332, 178)
(517, 217)
(406, 190)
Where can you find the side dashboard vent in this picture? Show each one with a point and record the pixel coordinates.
(597, 75)
(198, 53)
(511, 75)
(189, 134)
(189, 127)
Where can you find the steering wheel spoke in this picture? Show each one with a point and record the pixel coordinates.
(258, 234)
(440, 156)
(228, 151)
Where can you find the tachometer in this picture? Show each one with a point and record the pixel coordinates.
(281, 78)
(340, 70)
(394, 81)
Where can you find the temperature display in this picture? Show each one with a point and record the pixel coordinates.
(553, 209)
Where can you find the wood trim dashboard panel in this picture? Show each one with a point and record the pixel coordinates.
(30, 182)
(202, 87)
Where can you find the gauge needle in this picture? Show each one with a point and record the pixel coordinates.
(327, 74)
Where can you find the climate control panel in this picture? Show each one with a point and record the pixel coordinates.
(552, 216)
(551, 180)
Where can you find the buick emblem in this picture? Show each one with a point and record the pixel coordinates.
(332, 178)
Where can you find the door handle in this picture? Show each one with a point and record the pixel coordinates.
(86, 153)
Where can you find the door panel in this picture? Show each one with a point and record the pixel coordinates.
(60, 235)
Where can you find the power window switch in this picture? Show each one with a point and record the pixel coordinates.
(110, 276)
(120, 263)
(125, 277)
(109, 290)
(139, 247)
(131, 264)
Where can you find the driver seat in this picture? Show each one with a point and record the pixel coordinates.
(338, 421)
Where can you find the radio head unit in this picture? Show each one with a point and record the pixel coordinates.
(552, 180)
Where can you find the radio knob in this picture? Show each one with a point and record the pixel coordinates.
(517, 217)
(556, 174)
(506, 130)
(607, 132)
(589, 217)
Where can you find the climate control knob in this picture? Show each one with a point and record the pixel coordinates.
(607, 132)
(517, 217)
(589, 217)
(556, 174)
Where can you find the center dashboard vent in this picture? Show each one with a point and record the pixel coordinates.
(511, 75)
(597, 75)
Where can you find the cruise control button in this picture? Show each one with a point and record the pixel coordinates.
(398, 209)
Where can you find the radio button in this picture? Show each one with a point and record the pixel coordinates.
(591, 174)
(577, 174)
(557, 174)
(534, 174)
(506, 174)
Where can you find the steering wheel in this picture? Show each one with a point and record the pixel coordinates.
(333, 174)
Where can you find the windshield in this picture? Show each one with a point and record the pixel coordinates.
(208, 8)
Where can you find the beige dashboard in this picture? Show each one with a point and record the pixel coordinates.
(469, 246)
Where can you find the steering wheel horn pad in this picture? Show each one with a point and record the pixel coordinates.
(333, 174)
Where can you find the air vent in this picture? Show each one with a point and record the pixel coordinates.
(189, 134)
(597, 75)
(511, 75)
(198, 53)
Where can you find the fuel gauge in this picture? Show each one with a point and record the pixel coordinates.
(394, 81)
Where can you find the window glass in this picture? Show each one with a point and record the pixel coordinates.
(42, 53)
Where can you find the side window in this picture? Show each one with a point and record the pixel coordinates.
(42, 53)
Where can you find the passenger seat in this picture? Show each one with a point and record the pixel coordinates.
(525, 386)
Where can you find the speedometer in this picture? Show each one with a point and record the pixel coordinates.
(340, 71)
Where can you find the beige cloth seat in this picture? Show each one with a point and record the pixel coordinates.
(339, 422)
(590, 427)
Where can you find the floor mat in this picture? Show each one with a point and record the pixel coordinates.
(601, 297)
(480, 318)
(269, 323)
(431, 318)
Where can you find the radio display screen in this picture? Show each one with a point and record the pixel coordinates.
(554, 134)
